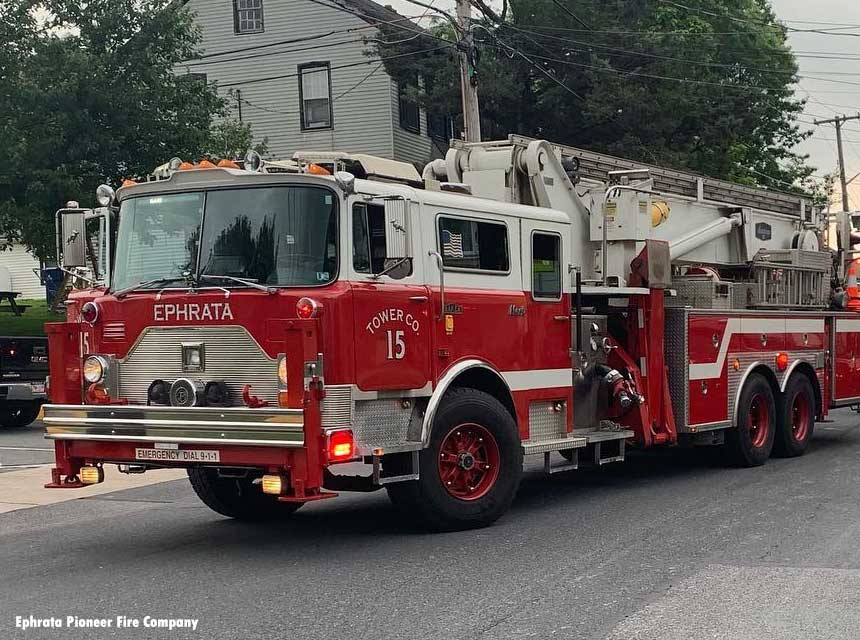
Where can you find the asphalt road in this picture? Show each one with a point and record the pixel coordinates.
(668, 545)
(24, 447)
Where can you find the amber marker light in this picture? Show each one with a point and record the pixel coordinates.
(90, 474)
(736, 364)
(317, 170)
(273, 485)
(782, 361)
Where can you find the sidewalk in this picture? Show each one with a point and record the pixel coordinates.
(24, 489)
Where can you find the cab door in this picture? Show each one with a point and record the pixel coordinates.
(544, 272)
(393, 327)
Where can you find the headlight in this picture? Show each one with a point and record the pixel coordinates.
(282, 371)
(94, 369)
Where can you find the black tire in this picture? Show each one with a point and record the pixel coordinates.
(796, 418)
(490, 430)
(19, 416)
(750, 442)
(237, 497)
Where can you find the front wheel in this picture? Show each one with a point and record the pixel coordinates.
(750, 442)
(471, 470)
(237, 497)
(796, 418)
(19, 416)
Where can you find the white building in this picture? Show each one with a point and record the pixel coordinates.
(24, 268)
(297, 70)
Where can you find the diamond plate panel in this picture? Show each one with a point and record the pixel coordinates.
(545, 423)
(677, 362)
(232, 355)
(381, 423)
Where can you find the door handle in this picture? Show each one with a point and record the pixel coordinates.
(561, 318)
(441, 265)
(418, 298)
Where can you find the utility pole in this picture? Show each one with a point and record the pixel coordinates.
(239, 102)
(468, 73)
(839, 121)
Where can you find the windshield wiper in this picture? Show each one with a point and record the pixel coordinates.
(146, 283)
(243, 281)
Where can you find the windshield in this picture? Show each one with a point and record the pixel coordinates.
(279, 236)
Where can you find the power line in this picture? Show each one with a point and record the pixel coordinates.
(628, 52)
(342, 66)
(755, 22)
(359, 83)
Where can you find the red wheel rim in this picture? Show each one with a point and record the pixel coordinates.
(758, 420)
(801, 416)
(468, 461)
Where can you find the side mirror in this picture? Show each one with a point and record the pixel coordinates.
(72, 240)
(398, 243)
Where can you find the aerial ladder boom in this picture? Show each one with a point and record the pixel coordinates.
(616, 205)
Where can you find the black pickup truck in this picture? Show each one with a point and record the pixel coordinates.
(23, 372)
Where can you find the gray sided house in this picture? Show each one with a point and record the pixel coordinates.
(298, 71)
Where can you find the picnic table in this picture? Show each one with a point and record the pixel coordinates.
(10, 296)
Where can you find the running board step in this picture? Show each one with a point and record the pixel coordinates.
(607, 445)
(557, 444)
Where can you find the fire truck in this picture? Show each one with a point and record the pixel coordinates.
(262, 324)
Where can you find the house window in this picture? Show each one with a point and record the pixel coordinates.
(315, 95)
(247, 16)
(474, 244)
(410, 113)
(439, 127)
(546, 266)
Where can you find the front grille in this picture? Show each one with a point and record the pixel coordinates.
(232, 355)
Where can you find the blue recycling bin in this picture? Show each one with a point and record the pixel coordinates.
(52, 278)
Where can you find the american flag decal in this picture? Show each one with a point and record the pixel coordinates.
(452, 244)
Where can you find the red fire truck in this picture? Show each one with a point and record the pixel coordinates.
(263, 323)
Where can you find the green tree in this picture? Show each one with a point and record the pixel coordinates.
(704, 85)
(89, 95)
(231, 138)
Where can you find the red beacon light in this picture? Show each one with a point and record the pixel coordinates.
(782, 361)
(307, 308)
(90, 312)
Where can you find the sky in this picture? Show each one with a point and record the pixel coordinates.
(825, 99)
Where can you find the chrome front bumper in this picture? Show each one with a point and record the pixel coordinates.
(194, 425)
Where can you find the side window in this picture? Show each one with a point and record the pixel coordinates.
(368, 238)
(474, 244)
(546, 266)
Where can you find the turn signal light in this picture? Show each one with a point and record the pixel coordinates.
(282, 372)
(782, 361)
(307, 308)
(274, 485)
(91, 474)
(341, 446)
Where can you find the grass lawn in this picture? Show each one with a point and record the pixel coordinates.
(28, 323)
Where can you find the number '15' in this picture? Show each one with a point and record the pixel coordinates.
(396, 345)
